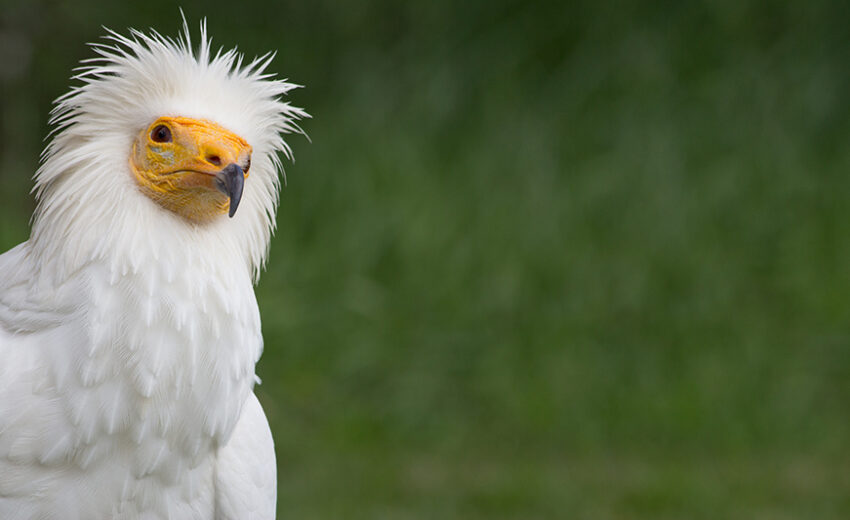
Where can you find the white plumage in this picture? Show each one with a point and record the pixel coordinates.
(128, 333)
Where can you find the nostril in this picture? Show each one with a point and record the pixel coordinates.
(214, 159)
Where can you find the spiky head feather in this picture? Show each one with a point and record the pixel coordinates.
(88, 205)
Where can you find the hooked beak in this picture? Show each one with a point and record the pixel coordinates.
(230, 181)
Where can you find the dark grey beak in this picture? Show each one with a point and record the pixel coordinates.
(230, 181)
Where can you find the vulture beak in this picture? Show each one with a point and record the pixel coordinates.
(230, 181)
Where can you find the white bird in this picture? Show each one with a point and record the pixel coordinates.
(129, 329)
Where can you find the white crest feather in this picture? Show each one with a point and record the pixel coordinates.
(88, 204)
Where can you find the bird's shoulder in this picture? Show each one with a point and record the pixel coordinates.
(27, 306)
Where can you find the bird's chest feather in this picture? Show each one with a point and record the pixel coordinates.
(148, 384)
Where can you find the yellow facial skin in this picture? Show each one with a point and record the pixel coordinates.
(176, 160)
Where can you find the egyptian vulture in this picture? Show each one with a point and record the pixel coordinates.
(129, 329)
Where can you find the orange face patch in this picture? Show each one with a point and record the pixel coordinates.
(177, 162)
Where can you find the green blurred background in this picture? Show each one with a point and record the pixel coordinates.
(541, 260)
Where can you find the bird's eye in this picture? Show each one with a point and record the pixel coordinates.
(247, 165)
(161, 134)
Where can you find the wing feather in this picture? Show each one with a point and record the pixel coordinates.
(246, 471)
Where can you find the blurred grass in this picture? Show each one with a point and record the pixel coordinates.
(540, 261)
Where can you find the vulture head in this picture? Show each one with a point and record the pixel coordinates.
(163, 147)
